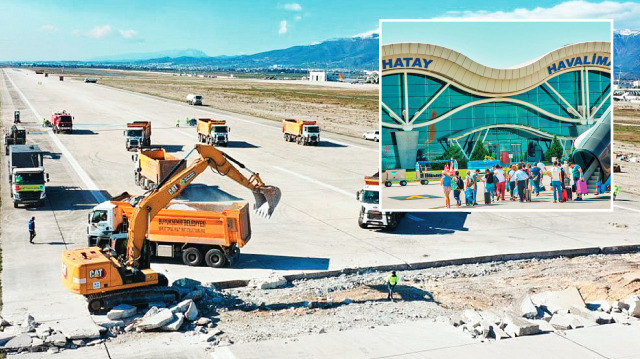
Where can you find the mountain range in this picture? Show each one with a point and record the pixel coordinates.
(626, 54)
(359, 52)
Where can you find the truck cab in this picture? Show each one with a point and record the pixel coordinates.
(62, 122)
(137, 134)
(311, 133)
(370, 214)
(220, 135)
(104, 220)
(28, 186)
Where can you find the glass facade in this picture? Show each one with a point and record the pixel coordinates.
(458, 117)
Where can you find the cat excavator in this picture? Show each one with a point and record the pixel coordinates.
(108, 278)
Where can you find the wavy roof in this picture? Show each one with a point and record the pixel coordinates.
(461, 70)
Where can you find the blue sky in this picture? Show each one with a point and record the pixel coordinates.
(81, 29)
(497, 44)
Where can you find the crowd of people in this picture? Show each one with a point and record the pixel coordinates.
(519, 180)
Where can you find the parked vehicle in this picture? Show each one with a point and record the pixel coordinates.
(194, 100)
(370, 214)
(177, 228)
(213, 132)
(16, 116)
(90, 80)
(302, 132)
(153, 165)
(62, 122)
(26, 175)
(371, 135)
(390, 176)
(15, 136)
(138, 134)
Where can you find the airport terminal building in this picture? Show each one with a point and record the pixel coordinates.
(433, 97)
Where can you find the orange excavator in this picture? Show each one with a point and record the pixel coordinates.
(108, 278)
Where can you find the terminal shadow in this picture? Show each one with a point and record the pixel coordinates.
(81, 131)
(432, 223)
(330, 144)
(406, 293)
(241, 144)
(171, 148)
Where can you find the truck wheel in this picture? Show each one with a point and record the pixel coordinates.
(15, 204)
(403, 183)
(192, 256)
(215, 258)
(424, 182)
(387, 184)
(361, 223)
(91, 241)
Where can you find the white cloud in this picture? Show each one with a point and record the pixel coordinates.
(48, 28)
(127, 34)
(624, 14)
(283, 27)
(97, 32)
(293, 7)
(298, 18)
(368, 34)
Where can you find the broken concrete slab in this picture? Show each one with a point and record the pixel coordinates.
(559, 300)
(36, 342)
(80, 329)
(526, 307)
(567, 321)
(491, 317)
(192, 312)
(94, 342)
(107, 323)
(271, 282)
(455, 320)
(43, 331)
(28, 325)
(585, 313)
(543, 325)
(472, 317)
(175, 324)
(58, 340)
(517, 326)
(498, 333)
(122, 311)
(202, 321)
(600, 305)
(155, 321)
(620, 318)
(634, 307)
(21, 341)
(184, 305)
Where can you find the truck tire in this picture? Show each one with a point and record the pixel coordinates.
(361, 224)
(192, 256)
(15, 204)
(91, 241)
(215, 258)
(387, 183)
(403, 183)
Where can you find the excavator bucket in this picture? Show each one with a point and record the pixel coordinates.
(267, 198)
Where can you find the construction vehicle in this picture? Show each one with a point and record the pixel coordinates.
(183, 229)
(62, 122)
(194, 99)
(15, 136)
(138, 134)
(370, 214)
(213, 132)
(16, 116)
(108, 278)
(39, 72)
(302, 132)
(153, 165)
(26, 175)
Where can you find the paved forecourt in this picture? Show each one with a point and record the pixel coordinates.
(314, 228)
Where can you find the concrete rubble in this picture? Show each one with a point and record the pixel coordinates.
(122, 311)
(271, 282)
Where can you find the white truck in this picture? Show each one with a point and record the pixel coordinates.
(194, 100)
(370, 214)
(26, 175)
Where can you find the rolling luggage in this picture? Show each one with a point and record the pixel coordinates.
(581, 188)
(563, 195)
(487, 196)
(527, 195)
(569, 194)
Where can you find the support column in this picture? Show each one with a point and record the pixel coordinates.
(407, 142)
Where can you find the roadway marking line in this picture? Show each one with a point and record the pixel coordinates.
(313, 180)
(88, 182)
(627, 208)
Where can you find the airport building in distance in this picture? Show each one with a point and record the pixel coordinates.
(433, 97)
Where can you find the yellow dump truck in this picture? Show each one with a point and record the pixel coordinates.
(153, 165)
(212, 232)
(302, 132)
(213, 132)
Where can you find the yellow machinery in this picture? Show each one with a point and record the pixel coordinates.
(108, 278)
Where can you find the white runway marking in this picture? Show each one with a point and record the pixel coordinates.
(627, 208)
(88, 182)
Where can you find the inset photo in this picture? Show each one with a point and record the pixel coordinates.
(509, 115)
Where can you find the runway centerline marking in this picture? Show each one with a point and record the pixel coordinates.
(84, 177)
(627, 208)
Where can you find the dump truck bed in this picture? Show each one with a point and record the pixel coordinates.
(157, 164)
(295, 126)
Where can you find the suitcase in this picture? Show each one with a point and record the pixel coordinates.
(581, 188)
(487, 198)
(527, 195)
(573, 188)
(563, 196)
(569, 194)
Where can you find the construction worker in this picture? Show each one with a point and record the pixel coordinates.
(44, 122)
(32, 229)
(178, 123)
(391, 284)
(616, 190)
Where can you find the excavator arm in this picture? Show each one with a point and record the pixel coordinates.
(267, 197)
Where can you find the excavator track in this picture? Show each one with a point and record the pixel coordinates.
(135, 296)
